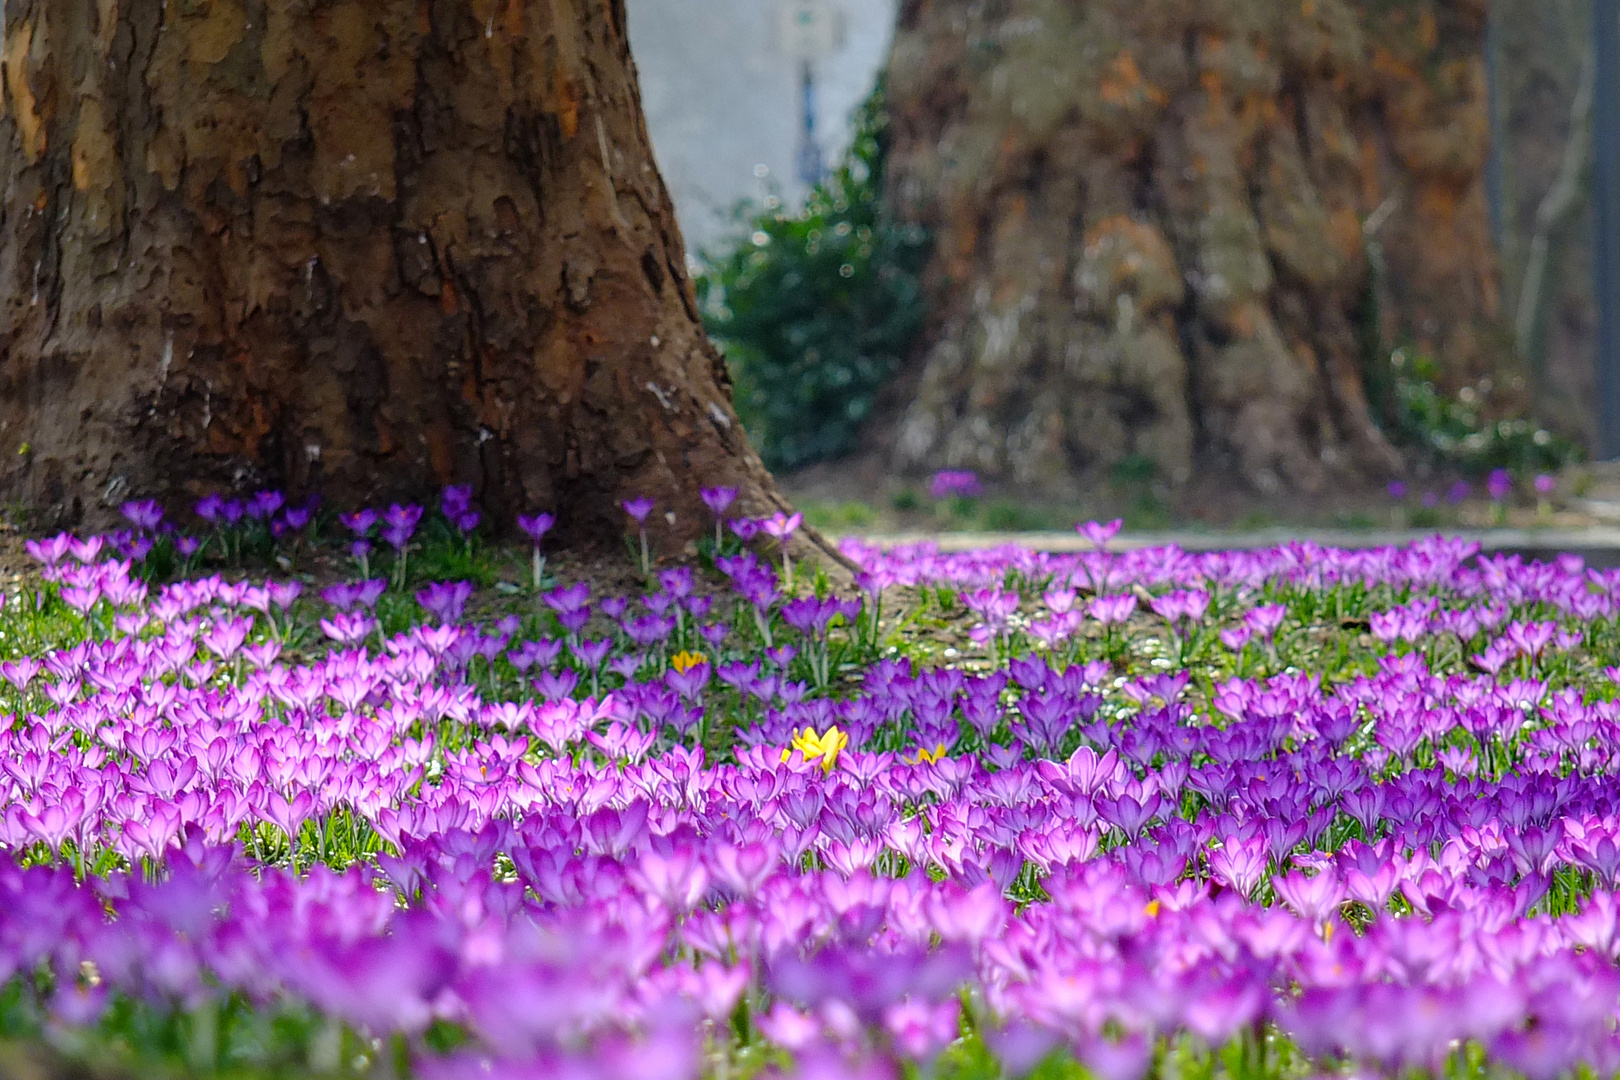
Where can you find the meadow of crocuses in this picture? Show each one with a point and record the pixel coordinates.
(1293, 812)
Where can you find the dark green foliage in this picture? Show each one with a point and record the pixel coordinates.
(1456, 432)
(816, 311)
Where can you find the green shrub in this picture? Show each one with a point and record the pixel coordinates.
(815, 311)
(1456, 432)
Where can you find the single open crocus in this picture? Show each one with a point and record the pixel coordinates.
(1499, 484)
(639, 509)
(955, 484)
(535, 527)
(264, 505)
(1100, 534)
(824, 747)
(144, 514)
(359, 522)
(718, 500)
(780, 527)
(455, 500)
(445, 601)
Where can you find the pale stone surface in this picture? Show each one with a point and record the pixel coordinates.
(721, 99)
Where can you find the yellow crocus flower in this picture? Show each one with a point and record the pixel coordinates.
(813, 746)
(686, 661)
(930, 756)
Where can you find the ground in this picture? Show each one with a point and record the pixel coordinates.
(860, 498)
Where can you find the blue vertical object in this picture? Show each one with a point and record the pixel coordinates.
(1606, 206)
(809, 151)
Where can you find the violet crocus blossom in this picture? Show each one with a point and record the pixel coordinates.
(455, 500)
(781, 527)
(955, 484)
(536, 527)
(718, 500)
(359, 522)
(445, 601)
(145, 514)
(639, 509)
(1100, 534)
(264, 505)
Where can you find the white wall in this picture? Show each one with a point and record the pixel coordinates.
(721, 100)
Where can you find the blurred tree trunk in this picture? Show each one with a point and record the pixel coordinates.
(365, 247)
(1544, 70)
(1177, 230)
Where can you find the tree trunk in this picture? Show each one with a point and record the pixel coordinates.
(1152, 228)
(364, 247)
(1545, 58)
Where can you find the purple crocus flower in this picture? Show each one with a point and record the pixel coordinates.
(145, 514)
(718, 499)
(639, 508)
(1499, 484)
(401, 522)
(955, 484)
(455, 500)
(360, 522)
(1099, 533)
(536, 527)
(445, 601)
(264, 504)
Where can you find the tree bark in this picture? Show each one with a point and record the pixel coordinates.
(1149, 228)
(361, 247)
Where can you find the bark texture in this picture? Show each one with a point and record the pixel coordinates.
(365, 247)
(1161, 228)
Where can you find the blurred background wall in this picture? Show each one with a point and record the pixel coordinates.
(1542, 55)
(723, 98)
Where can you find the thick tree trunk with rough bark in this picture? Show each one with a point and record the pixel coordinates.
(1171, 228)
(364, 247)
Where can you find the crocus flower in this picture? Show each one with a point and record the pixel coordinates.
(639, 508)
(455, 501)
(780, 527)
(955, 484)
(1100, 534)
(445, 601)
(536, 527)
(718, 500)
(145, 514)
(824, 747)
(359, 522)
